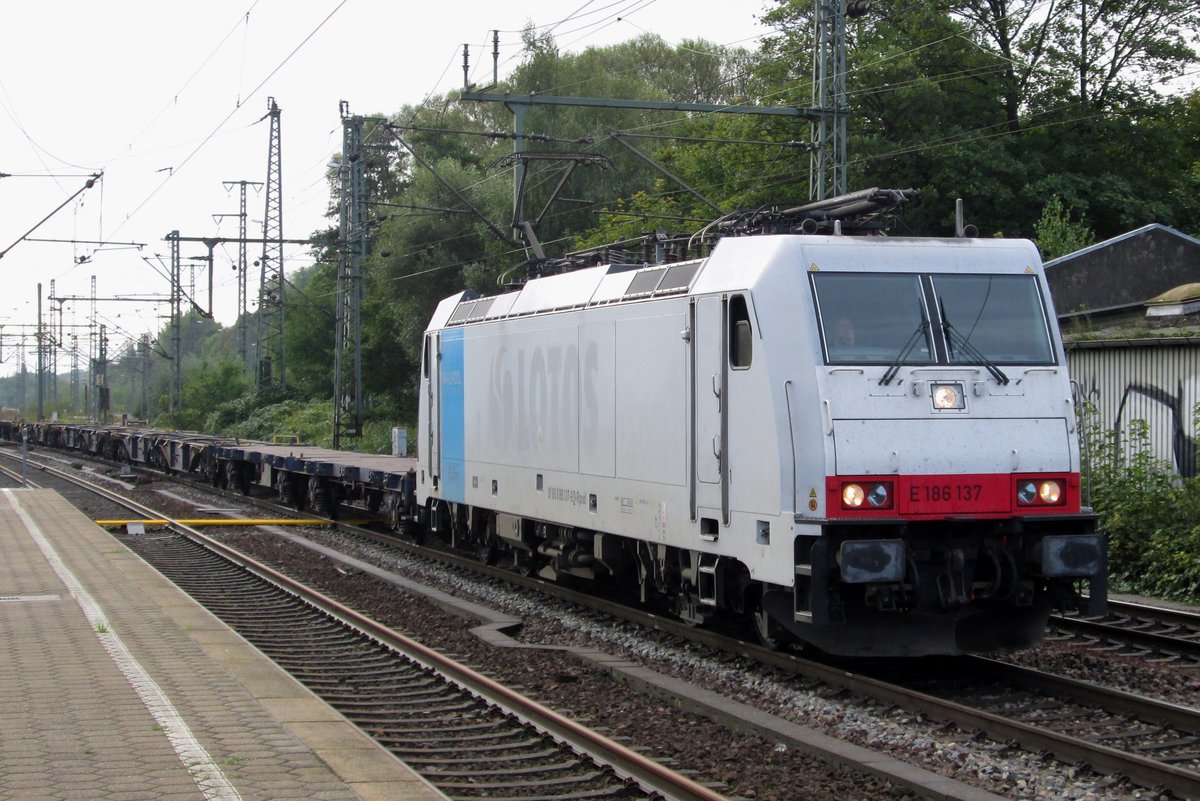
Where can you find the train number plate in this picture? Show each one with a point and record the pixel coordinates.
(954, 495)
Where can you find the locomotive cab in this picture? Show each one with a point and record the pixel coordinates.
(951, 500)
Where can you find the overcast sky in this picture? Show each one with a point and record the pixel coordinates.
(167, 100)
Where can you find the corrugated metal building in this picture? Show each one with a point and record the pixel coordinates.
(1154, 380)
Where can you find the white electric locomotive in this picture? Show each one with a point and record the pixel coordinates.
(866, 444)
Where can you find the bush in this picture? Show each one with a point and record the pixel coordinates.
(1150, 516)
(308, 421)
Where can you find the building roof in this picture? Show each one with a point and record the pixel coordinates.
(1121, 238)
(1120, 275)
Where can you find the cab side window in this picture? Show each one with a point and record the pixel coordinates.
(741, 335)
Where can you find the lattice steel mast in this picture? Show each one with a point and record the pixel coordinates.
(242, 267)
(352, 248)
(271, 355)
(829, 160)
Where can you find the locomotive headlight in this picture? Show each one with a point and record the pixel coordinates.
(879, 496)
(867, 495)
(947, 396)
(1039, 492)
(1049, 492)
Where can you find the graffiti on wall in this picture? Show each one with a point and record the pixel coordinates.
(1168, 412)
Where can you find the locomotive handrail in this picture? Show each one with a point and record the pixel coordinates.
(946, 368)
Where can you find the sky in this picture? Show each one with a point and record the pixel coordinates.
(168, 101)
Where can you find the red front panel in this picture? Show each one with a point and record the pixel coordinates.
(961, 495)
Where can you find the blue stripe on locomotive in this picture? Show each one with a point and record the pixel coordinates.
(454, 435)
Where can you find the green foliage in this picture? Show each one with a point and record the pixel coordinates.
(309, 422)
(209, 396)
(309, 332)
(1150, 517)
(1056, 234)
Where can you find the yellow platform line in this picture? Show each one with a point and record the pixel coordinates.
(226, 521)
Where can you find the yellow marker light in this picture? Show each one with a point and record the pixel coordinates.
(1049, 491)
(853, 496)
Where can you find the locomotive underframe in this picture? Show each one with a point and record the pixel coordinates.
(964, 585)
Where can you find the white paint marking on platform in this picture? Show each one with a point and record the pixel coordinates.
(14, 599)
(208, 775)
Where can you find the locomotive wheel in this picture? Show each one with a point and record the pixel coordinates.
(487, 546)
(685, 605)
(769, 633)
(485, 550)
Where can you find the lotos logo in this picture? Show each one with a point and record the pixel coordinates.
(533, 401)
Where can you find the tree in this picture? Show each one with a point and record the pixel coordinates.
(1099, 54)
(1057, 235)
(309, 335)
(211, 387)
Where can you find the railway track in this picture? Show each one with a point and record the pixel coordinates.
(1153, 744)
(470, 736)
(1142, 627)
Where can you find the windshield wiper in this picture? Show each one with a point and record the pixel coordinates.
(953, 338)
(894, 367)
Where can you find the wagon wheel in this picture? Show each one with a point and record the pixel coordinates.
(289, 494)
(393, 511)
(236, 477)
(320, 499)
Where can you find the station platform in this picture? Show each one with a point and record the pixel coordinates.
(116, 685)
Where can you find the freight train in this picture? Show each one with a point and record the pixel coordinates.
(863, 444)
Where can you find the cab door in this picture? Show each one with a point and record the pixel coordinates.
(433, 398)
(709, 407)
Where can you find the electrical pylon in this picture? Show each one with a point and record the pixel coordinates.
(271, 355)
(242, 267)
(352, 241)
(828, 175)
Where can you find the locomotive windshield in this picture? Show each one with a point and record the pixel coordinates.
(869, 317)
(906, 318)
(1000, 316)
